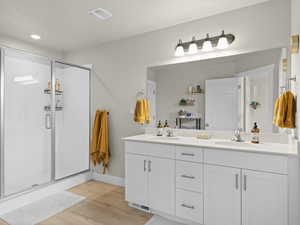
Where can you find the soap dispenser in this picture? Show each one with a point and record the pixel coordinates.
(166, 124)
(255, 134)
(159, 129)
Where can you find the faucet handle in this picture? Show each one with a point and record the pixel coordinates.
(237, 131)
(237, 135)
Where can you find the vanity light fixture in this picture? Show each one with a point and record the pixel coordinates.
(222, 42)
(193, 47)
(179, 50)
(207, 44)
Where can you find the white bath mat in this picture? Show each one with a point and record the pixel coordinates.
(158, 220)
(41, 210)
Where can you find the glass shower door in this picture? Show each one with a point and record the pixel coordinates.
(72, 119)
(27, 123)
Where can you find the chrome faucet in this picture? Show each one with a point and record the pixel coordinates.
(169, 132)
(237, 135)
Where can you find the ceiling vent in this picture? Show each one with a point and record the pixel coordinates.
(100, 13)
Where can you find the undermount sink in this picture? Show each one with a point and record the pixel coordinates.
(236, 144)
(165, 138)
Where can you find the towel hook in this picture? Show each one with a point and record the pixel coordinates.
(140, 94)
(290, 79)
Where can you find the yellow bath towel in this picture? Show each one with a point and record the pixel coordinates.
(285, 110)
(142, 114)
(100, 151)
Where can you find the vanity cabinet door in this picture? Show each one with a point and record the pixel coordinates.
(264, 198)
(162, 184)
(136, 181)
(222, 195)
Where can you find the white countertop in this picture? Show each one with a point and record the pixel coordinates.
(270, 148)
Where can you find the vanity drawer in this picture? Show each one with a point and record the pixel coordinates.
(189, 176)
(189, 154)
(189, 205)
(159, 150)
(247, 160)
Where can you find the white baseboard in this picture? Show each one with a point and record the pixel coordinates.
(119, 181)
(19, 200)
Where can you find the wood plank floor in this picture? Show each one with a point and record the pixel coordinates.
(104, 205)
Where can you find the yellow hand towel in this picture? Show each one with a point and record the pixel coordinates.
(96, 130)
(142, 114)
(289, 121)
(279, 112)
(100, 151)
(285, 110)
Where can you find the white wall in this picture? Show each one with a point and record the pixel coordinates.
(294, 163)
(6, 41)
(120, 67)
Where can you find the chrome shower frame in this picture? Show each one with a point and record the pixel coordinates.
(53, 130)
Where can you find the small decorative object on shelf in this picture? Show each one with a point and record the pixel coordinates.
(181, 112)
(187, 102)
(58, 88)
(193, 90)
(254, 105)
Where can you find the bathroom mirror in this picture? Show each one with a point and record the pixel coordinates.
(222, 93)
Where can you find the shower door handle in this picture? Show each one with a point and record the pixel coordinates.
(48, 121)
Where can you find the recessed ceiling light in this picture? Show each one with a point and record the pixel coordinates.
(100, 13)
(35, 36)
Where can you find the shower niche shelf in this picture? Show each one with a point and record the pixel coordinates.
(57, 108)
(49, 92)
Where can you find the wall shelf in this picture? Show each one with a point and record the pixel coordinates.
(57, 108)
(198, 92)
(49, 92)
(186, 104)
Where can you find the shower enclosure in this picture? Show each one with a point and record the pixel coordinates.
(45, 121)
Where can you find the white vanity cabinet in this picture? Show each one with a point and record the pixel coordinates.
(222, 195)
(264, 198)
(207, 185)
(150, 177)
(254, 192)
(136, 179)
(261, 197)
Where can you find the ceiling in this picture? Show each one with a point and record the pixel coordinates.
(65, 25)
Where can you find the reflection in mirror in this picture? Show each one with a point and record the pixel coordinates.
(222, 94)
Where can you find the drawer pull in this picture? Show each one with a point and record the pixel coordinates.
(188, 206)
(245, 183)
(149, 166)
(187, 154)
(145, 166)
(237, 181)
(187, 176)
